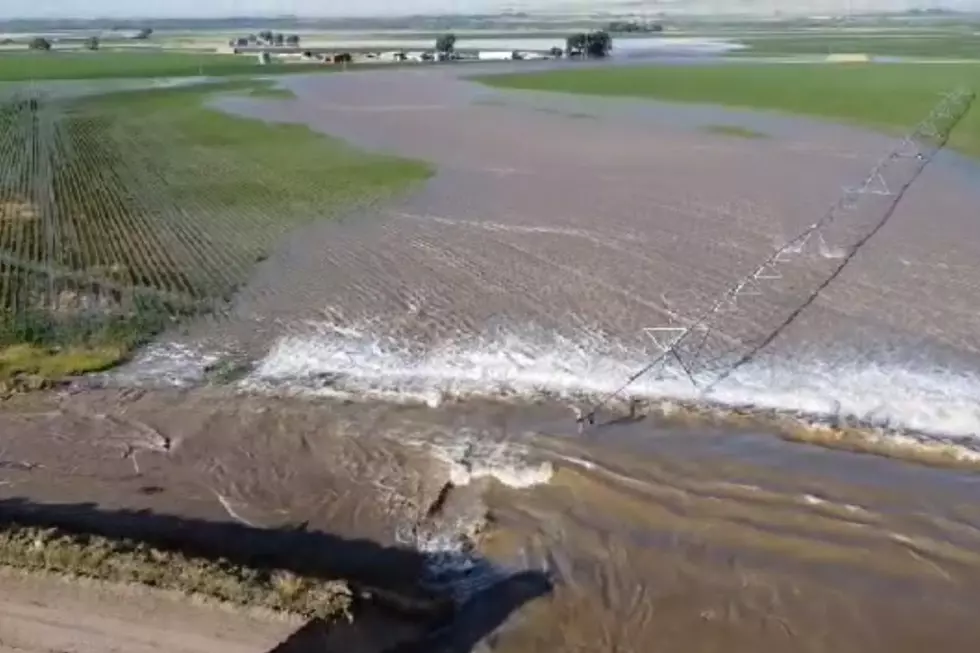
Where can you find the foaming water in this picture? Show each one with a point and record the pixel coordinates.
(448, 540)
(889, 395)
(937, 403)
(173, 364)
(471, 457)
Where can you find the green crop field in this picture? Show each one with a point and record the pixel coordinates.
(887, 97)
(121, 213)
(938, 45)
(26, 66)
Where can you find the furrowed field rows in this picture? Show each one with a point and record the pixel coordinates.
(123, 213)
(69, 225)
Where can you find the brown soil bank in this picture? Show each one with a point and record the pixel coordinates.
(698, 540)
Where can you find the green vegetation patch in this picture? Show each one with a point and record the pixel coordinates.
(912, 44)
(887, 97)
(124, 213)
(32, 367)
(126, 561)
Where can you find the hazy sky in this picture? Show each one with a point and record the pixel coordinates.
(194, 8)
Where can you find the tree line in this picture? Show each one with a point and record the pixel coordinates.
(267, 37)
(595, 44)
(91, 43)
(633, 27)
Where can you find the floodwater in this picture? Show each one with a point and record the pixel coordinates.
(558, 229)
(700, 537)
(408, 375)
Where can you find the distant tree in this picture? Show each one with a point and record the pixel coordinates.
(592, 44)
(576, 43)
(39, 43)
(598, 44)
(266, 36)
(92, 43)
(556, 52)
(342, 57)
(446, 43)
(292, 40)
(143, 34)
(632, 27)
(278, 39)
(243, 42)
(252, 39)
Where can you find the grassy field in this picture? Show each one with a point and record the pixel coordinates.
(939, 45)
(890, 97)
(121, 214)
(25, 66)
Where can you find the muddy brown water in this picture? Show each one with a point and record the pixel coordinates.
(656, 537)
(575, 220)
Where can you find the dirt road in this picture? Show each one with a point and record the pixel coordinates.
(41, 614)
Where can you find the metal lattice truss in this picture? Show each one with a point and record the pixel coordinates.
(701, 350)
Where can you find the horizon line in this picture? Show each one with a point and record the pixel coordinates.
(502, 14)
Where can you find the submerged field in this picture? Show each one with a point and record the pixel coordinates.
(889, 97)
(118, 214)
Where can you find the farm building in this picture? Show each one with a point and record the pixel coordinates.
(491, 55)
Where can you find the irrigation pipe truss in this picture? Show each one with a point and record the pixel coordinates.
(916, 149)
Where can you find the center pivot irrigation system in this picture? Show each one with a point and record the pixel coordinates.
(700, 350)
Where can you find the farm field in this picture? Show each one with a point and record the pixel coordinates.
(889, 97)
(122, 212)
(953, 45)
(26, 66)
